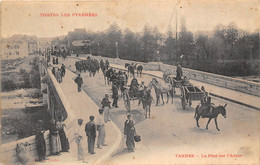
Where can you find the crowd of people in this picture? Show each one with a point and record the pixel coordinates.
(90, 65)
(58, 73)
(58, 139)
(90, 130)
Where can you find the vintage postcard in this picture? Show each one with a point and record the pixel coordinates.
(130, 82)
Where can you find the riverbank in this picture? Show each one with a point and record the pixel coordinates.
(20, 111)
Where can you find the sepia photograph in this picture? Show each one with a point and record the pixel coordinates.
(130, 82)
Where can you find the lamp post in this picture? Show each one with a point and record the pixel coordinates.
(117, 56)
(98, 49)
(158, 53)
(90, 48)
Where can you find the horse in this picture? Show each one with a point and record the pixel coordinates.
(130, 68)
(214, 114)
(139, 70)
(126, 65)
(168, 78)
(161, 89)
(146, 100)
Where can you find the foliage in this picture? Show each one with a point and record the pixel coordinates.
(224, 43)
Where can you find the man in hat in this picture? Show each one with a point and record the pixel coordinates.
(106, 106)
(90, 130)
(101, 129)
(63, 70)
(79, 82)
(178, 72)
(78, 138)
(115, 95)
(53, 71)
(129, 131)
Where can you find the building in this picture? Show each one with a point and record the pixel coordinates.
(18, 46)
(32, 47)
(14, 49)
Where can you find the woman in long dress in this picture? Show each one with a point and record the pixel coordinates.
(62, 134)
(55, 145)
(129, 131)
(40, 142)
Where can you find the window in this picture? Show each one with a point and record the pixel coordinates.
(17, 53)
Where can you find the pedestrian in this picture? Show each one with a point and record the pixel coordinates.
(129, 131)
(79, 82)
(101, 129)
(53, 61)
(48, 58)
(40, 142)
(57, 60)
(126, 78)
(63, 70)
(78, 136)
(58, 76)
(115, 95)
(53, 71)
(55, 145)
(63, 138)
(106, 106)
(90, 130)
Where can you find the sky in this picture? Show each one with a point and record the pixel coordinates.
(200, 15)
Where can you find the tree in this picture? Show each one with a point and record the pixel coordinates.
(147, 44)
(113, 35)
(201, 46)
(185, 43)
(170, 46)
(231, 36)
(131, 46)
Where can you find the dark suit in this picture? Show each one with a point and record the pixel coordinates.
(79, 81)
(90, 130)
(115, 95)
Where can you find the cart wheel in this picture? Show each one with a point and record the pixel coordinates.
(183, 103)
(126, 100)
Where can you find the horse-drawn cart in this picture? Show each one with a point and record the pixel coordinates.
(190, 93)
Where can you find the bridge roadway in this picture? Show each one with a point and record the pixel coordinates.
(172, 131)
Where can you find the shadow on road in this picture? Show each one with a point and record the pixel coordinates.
(203, 130)
(120, 152)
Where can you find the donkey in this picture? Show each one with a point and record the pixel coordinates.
(139, 70)
(199, 112)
